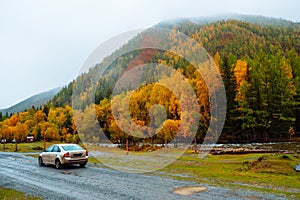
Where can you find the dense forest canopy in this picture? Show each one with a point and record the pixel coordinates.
(259, 65)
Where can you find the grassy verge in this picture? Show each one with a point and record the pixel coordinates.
(25, 147)
(9, 194)
(263, 172)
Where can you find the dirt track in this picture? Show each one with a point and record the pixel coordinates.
(21, 172)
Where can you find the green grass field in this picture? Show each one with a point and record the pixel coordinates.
(263, 172)
(9, 194)
(25, 147)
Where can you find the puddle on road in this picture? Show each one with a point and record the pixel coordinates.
(66, 172)
(188, 190)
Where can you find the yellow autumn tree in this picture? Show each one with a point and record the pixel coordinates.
(240, 73)
(168, 131)
(39, 116)
(49, 131)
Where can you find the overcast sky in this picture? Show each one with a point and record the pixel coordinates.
(44, 43)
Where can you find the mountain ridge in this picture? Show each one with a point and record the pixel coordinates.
(254, 19)
(36, 100)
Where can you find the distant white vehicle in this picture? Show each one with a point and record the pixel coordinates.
(63, 154)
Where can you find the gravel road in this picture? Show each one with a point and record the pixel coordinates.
(21, 172)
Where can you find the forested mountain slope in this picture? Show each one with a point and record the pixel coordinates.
(257, 57)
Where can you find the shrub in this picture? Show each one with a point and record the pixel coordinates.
(37, 148)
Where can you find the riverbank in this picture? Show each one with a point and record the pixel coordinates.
(275, 147)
